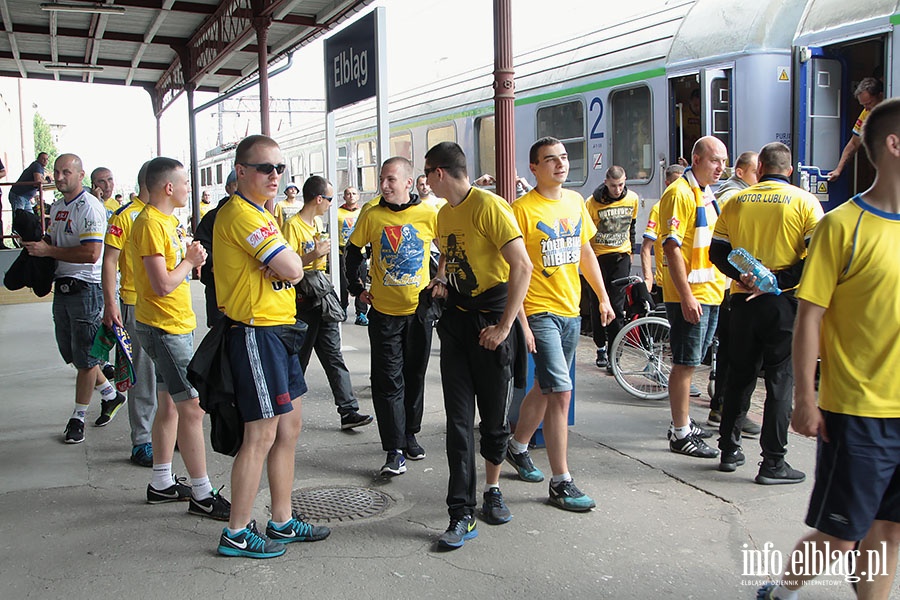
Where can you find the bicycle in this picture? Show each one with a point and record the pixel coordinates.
(640, 355)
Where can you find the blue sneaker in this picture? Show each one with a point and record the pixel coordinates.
(765, 592)
(249, 542)
(362, 319)
(524, 466)
(395, 464)
(460, 530)
(567, 496)
(296, 530)
(142, 455)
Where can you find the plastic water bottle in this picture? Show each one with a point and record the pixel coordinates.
(745, 262)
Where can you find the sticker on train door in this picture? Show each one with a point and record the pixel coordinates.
(598, 161)
(784, 75)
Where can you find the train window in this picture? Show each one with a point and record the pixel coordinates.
(367, 166)
(445, 133)
(720, 105)
(401, 145)
(484, 133)
(566, 123)
(297, 169)
(317, 163)
(219, 173)
(631, 116)
(343, 170)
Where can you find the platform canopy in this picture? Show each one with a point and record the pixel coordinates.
(161, 45)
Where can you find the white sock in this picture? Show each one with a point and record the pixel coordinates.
(491, 486)
(234, 532)
(201, 488)
(162, 477)
(107, 391)
(682, 432)
(79, 412)
(516, 446)
(560, 478)
(782, 593)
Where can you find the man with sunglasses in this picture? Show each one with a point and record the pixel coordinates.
(400, 229)
(256, 271)
(306, 234)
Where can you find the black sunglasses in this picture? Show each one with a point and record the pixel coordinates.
(266, 168)
(329, 198)
(429, 171)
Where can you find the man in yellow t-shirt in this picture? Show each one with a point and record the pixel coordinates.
(288, 207)
(165, 323)
(487, 271)
(103, 186)
(255, 274)
(694, 288)
(849, 314)
(613, 209)
(400, 229)
(650, 237)
(348, 214)
(305, 232)
(119, 309)
(869, 93)
(773, 221)
(557, 231)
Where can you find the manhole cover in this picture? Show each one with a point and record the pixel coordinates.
(326, 504)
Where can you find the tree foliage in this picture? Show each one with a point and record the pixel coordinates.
(43, 138)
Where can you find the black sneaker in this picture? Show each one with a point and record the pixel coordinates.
(750, 429)
(215, 507)
(296, 530)
(109, 371)
(249, 542)
(714, 418)
(458, 532)
(731, 460)
(703, 434)
(773, 474)
(109, 408)
(602, 360)
(524, 466)
(567, 496)
(395, 464)
(142, 455)
(695, 391)
(354, 419)
(414, 451)
(177, 492)
(692, 446)
(494, 510)
(74, 433)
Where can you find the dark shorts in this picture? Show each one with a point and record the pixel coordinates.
(689, 341)
(266, 378)
(76, 319)
(857, 476)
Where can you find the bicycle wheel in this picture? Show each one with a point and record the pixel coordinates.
(641, 358)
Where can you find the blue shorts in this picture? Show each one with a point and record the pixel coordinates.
(857, 476)
(170, 353)
(689, 342)
(266, 377)
(555, 339)
(76, 319)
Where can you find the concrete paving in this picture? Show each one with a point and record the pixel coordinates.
(76, 524)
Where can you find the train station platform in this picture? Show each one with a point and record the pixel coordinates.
(76, 524)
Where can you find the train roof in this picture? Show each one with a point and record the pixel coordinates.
(715, 28)
(829, 21)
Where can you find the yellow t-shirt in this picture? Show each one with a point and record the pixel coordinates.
(554, 232)
(677, 216)
(155, 233)
(651, 232)
(857, 127)
(118, 233)
(245, 238)
(400, 243)
(111, 206)
(613, 223)
(773, 220)
(205, 207)
(346, 222)
(853, 270)
(285, 210)
(302, 238)
(368, 206)
(470, 236)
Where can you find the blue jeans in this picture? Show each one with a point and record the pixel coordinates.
(171, 353)
(555, 339)
(17, 202)
(689, 341)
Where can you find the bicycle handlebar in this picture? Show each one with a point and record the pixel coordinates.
(623, 281)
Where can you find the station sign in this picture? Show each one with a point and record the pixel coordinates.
(350, 64)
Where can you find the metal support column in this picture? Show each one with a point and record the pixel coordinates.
(504, 101)
(261, 24)
(195, 161)
(382, 117)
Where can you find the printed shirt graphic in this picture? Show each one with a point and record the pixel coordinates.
(81, 220)
(399, 266)
(613, 223)
(346, 222)
(118, 234)
(155, 233)
(857, 127)
(302, 238)
(245, 238)
(554, 232)
(853, 270)
(471, 235)
(677, 215)
(772, 220)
